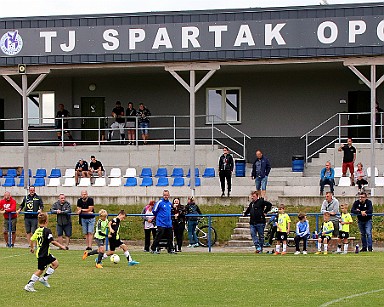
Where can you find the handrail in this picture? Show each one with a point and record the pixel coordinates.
(319, 125)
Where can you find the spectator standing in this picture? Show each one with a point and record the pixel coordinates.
(86, 210)
(192, 208)
(130, 113)
(331, 205)
(302, 233)
(327, 176)
(361, 177)
(81, 170)
(178, 221)
(62, 123)
(8, 205)
(363, 209)
(162, 212)
(149, 222)
(31, 203)
(62, 209)
(257, 209)
(225, 171)
(348, 159)
(260, 172)
(143, 114)
(118, 115)
(95, 168)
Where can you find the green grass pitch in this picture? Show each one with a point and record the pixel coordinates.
(197, 279)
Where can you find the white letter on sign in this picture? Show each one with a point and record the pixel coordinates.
(244, 36)
(189, 34)
(356, 27)
(112, 41)
(48, 39)
(217, 30)
(274, 33)
(135, 36)
(380, 31)
(321, 35)
(71, 42)
(162, 39)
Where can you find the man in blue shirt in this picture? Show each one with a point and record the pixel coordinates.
(327, 176)
(162, 211)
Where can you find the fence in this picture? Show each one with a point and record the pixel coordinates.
(208, 216)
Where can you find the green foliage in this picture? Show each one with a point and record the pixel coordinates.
(197, 279)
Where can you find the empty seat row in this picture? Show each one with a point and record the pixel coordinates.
(339, 172)
(176, 172)
(40, 173)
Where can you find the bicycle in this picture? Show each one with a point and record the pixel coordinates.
(202, 233)
(269, 231)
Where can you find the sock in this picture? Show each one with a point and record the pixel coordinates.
(325, 247)
(48, 273)
(93, 252)
(126, 254)
(319, 246)
(284, 248)
(278, 248)
(33, 279)
(105, 256)
(339, 247)
(346, 247)
(99, 257)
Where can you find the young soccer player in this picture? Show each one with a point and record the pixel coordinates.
(43, 236)
(100, 235)
(302, 233)
(325, 234)
(114, 238)
(283, 226)
(345, 220)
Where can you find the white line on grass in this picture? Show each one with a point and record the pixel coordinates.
(351, 296)
(11, 256)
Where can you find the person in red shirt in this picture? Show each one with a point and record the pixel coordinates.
(8, 204)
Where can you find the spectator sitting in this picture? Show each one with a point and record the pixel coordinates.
(95, 168)
(327, 176)
(361, 177)
(81, 170)
(302, 233)
(119, 123)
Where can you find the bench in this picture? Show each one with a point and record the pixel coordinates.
(351, 239)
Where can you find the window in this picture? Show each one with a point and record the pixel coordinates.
(41, 109)
(223, 105)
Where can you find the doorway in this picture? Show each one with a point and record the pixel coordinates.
(92, 107)
(359, 101)
(1, 122)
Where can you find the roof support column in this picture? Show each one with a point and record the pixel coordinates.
(192, 88)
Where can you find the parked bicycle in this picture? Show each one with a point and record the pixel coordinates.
(202, 231)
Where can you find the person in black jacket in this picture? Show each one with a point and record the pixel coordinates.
(363, 209)
(178, 221)
(260, 172)
(257, 209)
(225, 170)
(192, 208)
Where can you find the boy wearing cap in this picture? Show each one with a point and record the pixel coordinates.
(81, 169)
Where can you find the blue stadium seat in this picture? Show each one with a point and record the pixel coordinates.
(21, 182)
(9, 182)
(146, 172)
(178, 182)
(197, 173)
(209, 172)
(162, 182)
(131, 182)
(1, 173)
(161, 172)
(55, 173)
(39, 182)
(197, 182)
(177, 172)
(146, 182)
(40, 173)
(11, 172)
(29, 173)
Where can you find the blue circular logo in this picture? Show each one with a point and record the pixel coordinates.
(11, 43)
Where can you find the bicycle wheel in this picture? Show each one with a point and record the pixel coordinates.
(202, 235)
(291, 236)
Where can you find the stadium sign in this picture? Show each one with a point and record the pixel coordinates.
(202, 36)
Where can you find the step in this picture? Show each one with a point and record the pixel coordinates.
(241, 236)
(242, 225)
(244, 219)
(241, 231)
(240, 243)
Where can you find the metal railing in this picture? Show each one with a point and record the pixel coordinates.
(335, 129)
(164, 129)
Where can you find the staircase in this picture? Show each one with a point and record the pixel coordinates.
(241, 236)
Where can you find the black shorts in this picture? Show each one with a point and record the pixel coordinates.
(113, 243)
(325, 237)
(43, 262)
(281, 236)
(343, 235)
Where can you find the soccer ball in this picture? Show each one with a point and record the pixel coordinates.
(115, 258)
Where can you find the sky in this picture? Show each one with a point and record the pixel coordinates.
(23, 8)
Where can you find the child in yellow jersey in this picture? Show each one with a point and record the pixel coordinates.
(325, 234)
(283, 226)
(344, 222)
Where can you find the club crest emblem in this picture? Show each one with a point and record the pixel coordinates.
(11, 43)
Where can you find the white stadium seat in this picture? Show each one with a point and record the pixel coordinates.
(69, 182)
(338, 172)
(344, 182)
(130, 173)
(69, 173)
(115, 182)
(379, 181)
(53, 182)
(369, 172)
(84, 182)
(100, 182)
(115, 173)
